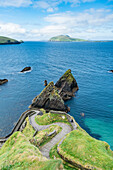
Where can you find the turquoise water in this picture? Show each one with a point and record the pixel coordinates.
(89, 63)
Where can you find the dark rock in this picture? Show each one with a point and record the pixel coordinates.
(49, 99)
(2, 81)
(111, 71)
(67, 85)
(26, 69)
(40, 113)
(45, 83)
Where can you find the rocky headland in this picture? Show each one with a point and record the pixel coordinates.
(7, 40)
(49, 138)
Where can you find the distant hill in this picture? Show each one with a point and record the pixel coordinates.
(66, 38)
(7, 40)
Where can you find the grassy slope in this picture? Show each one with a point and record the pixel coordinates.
(4, 40)
(65, 38)
(41, 138)
(49, 118)
(18, 153)
(83, 149)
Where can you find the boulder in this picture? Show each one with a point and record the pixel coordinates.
(2, 81)
(45, 83)
(67, 85)
(111, 71)
(49, 99)
(26, 69)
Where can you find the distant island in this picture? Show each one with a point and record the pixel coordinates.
(7, 40)
(67, 38)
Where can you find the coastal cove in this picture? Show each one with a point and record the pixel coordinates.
(89, 63)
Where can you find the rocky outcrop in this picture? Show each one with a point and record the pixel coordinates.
(2, 81)
(111, 71)
(26, 69)
(49, 99)
(67, 85)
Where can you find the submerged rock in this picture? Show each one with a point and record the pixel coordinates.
(26, 69)
(49, 99)
(2, 81)
(67, 85)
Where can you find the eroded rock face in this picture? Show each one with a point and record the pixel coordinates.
(2, 81)
(26, 69)
(49, 99)
(67, 85)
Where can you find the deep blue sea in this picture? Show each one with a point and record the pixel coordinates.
(89, 62)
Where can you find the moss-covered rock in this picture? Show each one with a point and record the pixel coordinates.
(67, 85)
(49, 99)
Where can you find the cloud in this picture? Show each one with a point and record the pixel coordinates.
(89, 24)
(15, 3)
(49, 6)
(11, 29)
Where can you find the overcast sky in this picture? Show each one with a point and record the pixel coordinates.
(40, 20)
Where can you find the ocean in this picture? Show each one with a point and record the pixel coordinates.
(90, 63)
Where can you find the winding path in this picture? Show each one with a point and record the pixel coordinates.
(46, 148)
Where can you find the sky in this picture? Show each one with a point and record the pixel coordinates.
(38, 20)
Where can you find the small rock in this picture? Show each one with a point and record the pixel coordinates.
(26, 69)
(111, 71)
(82, 114)
(2, 81)
(45, 83)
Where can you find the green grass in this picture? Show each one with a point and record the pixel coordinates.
(4, 40)
(54, 155)
(19, 153)
(50, 118)
(81, 148)
(41, 137)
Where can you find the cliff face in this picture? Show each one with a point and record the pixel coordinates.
(67, 85)
(49, 99)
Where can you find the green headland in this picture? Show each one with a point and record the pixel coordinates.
(49, 139)
(66, 38)
(7, 40)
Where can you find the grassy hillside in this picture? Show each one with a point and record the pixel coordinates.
(49, 118)
(19, 153)
(65, 38)
(6, 40)
(82, 149)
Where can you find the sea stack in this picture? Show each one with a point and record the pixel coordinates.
(67, 85)
(2, 81)
(49, 99)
